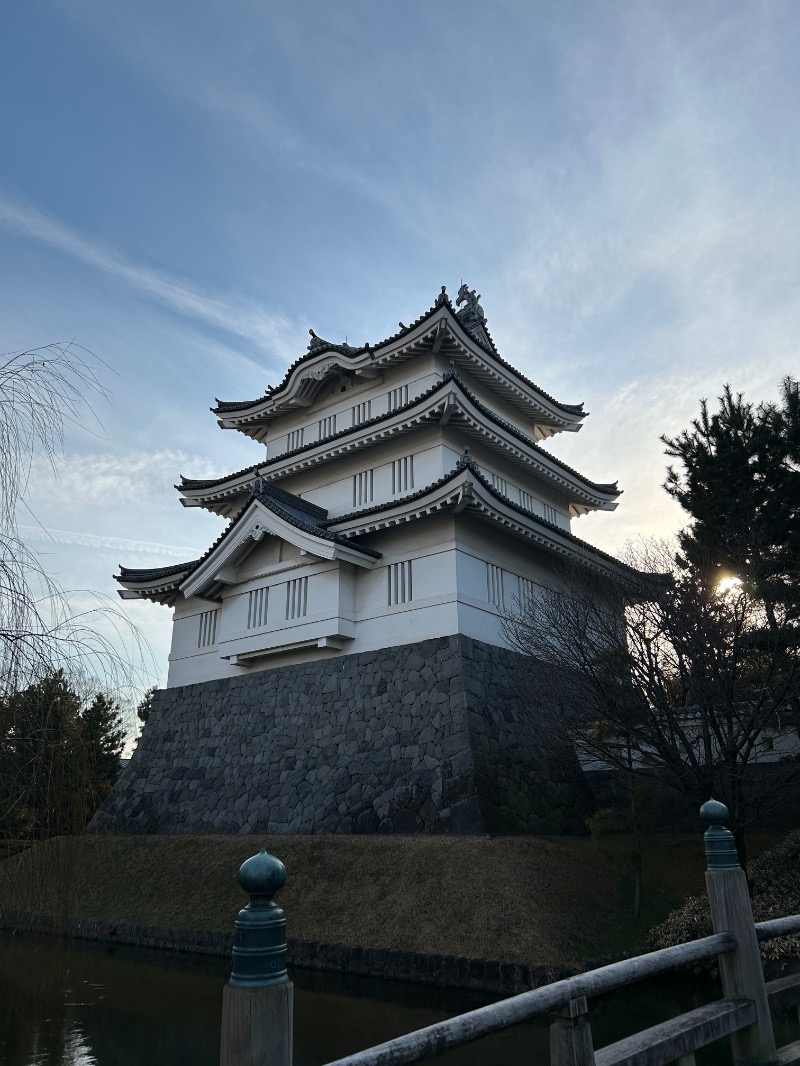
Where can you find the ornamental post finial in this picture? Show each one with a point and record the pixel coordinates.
(719, 843)
(259, 940)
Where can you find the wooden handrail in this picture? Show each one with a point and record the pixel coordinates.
(681, 1036)
(436, 1039)
(257, 1002)
(778, 927)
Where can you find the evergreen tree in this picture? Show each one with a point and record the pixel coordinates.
(143, 710)
(58, 757)
(102, 736)
(740, 483)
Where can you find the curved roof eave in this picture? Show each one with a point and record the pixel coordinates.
(607, 489)
(464, 465)
(233, 407)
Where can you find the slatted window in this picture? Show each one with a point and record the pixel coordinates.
(525, 500)
(362, 412)
(550, 514)
(362, 488)
(257, 602)
(398, 397)
(499, 483)
(327, 426)
(294, 440)
(526, 593)
(208, 629)
(402, 475)
(400, 588)
(297, 597)
(494, 585)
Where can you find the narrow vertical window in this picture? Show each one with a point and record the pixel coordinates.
(550, 514)
(402, 474)
(327, 426)
(525, 500)
(362, 488)
(208, 629)
(362, 412)
(294, 440)
(296, 598)
(257, 603)
(398, 397)
(525, 594)
(400, 589)
(499, 483)
(494, 585)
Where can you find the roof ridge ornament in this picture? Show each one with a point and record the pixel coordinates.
(464, 460)
(472, 316)
(442, 298)
(318, 344)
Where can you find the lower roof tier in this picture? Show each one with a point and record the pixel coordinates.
(271, 511)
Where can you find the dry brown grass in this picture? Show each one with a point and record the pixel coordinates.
(526, 899)
(540, 900)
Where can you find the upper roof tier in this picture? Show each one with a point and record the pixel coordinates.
(460, 335)
(448, 401)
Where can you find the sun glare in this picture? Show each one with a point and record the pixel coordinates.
(728, 584)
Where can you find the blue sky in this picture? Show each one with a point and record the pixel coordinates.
(186, 188)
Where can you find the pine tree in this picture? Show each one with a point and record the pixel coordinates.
(740, 484)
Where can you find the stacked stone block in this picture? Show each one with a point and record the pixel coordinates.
(423, 737)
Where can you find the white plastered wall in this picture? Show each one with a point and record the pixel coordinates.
(448, 555)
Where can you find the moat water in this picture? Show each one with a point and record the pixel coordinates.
(80, 1004)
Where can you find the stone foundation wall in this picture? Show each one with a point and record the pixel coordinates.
(422, 737)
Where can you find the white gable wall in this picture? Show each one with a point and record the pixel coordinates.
(454, 564)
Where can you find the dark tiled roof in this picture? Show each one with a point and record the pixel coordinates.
(466, 463)
(605, 488)
(155, 574)
(297, 512)
(608, 488)
(231, 406)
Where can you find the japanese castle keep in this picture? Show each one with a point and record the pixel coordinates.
(337, 662)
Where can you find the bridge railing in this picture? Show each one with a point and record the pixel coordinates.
(257, 1004)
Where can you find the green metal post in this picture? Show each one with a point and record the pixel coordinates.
(257, 1002)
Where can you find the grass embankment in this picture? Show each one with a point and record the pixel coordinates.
(539, 900)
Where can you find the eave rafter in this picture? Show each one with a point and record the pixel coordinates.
(439, 330)
(448, 402)
(466, 490)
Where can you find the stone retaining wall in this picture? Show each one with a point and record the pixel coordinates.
(422, 737)
(442, 971)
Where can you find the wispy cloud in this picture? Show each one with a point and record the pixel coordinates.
(90, 540)
(268, 330)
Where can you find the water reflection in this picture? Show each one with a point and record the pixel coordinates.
(78, 1004)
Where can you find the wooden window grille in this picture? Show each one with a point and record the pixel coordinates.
(525, 500)
(400, 588)
(297, 598)
(294, 440)
(402, 474)
(362, 412)
(494, 585)
(327, 426)
(550, 514)
(208, 629)
(398, 397)
(257, 603)
(362, 488)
